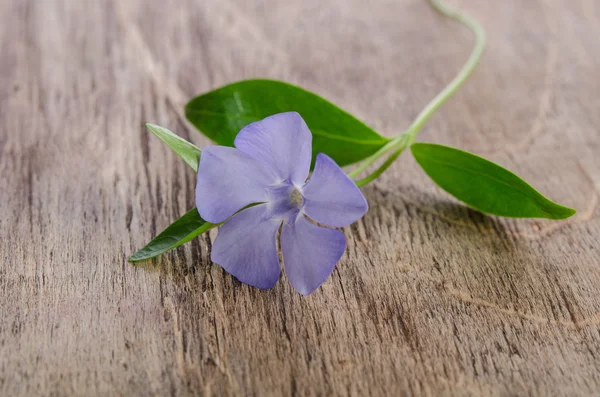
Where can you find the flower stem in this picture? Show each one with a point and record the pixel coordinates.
(370, 160)
(463, 74)
(383, 167)
(405, 139)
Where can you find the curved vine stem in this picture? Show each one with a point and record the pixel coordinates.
(383, 167)
(403, 140)
(370, 160)
(463, 74)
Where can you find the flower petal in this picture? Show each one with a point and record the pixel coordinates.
(246, 247)
(331, 197)
(282, 142)
(228, 180)
(310, 253)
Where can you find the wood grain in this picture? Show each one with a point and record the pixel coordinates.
(430, 299)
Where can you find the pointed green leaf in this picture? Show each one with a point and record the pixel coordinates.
(484, 185)
(189, 152)
(179, 232)
(222, 113)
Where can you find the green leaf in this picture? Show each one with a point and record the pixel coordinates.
(484, 185)
(222, 113)
(179, 232)
(189, 152)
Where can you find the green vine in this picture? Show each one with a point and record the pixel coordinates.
(406, 138)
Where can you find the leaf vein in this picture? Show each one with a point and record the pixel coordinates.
(314, 131)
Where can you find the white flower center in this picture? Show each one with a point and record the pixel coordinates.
(296, 198)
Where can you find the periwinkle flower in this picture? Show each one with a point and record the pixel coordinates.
(265, 175)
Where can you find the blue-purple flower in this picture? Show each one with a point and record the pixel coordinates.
(265, 176)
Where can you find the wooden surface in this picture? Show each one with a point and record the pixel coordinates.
(430, 298)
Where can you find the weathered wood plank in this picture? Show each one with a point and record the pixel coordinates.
(430, 299)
